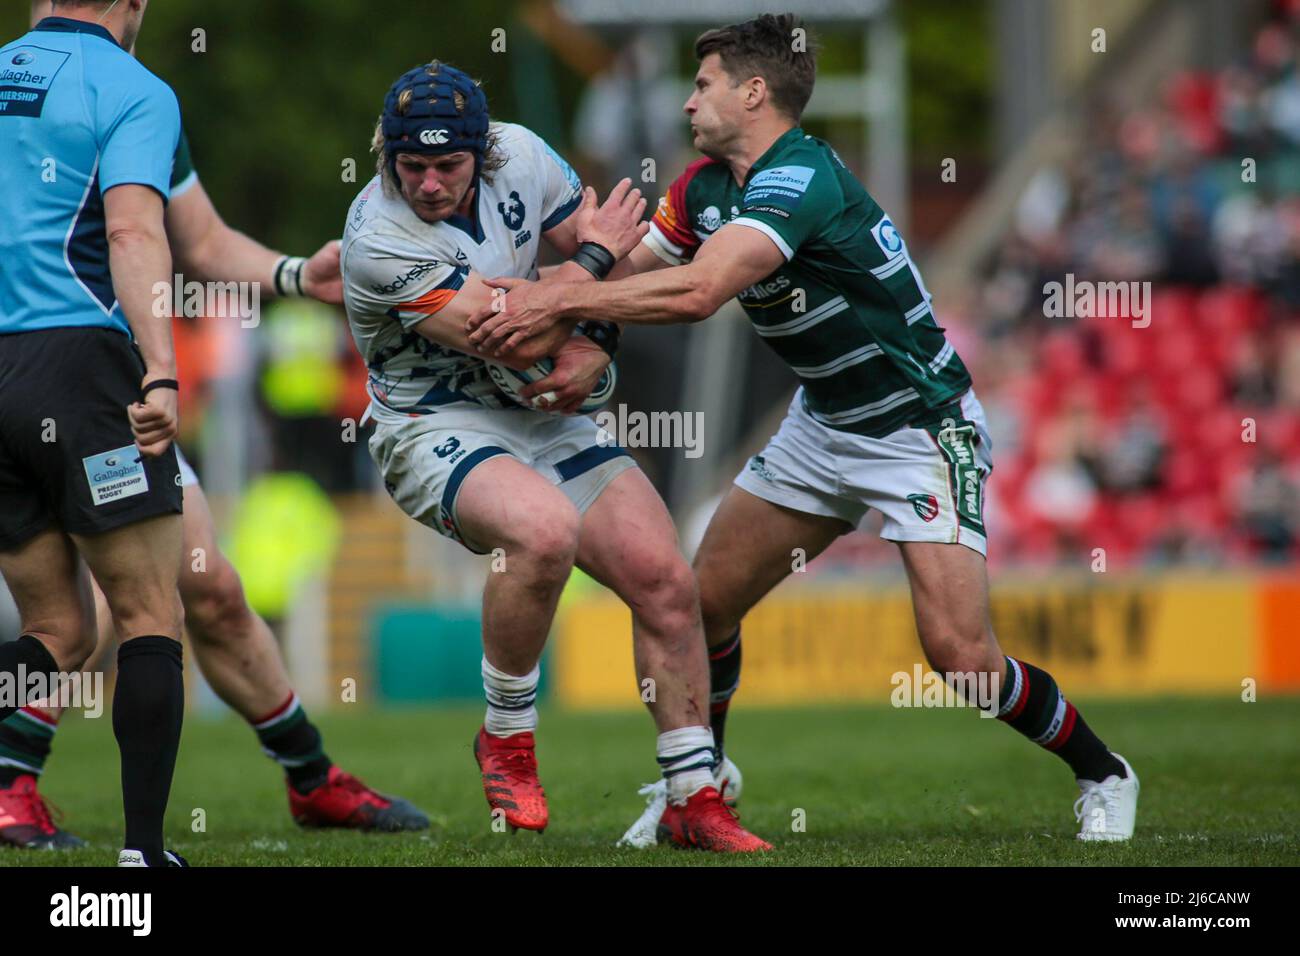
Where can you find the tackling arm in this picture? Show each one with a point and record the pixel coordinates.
(731, 260)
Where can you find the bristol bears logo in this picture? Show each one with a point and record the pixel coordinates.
(447, 447)
(513, 214)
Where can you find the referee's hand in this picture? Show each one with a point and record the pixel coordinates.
(155, 420)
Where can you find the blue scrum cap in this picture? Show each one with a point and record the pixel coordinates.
(431, 123)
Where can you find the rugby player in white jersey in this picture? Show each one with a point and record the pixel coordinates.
(458, 197)
(235, 649)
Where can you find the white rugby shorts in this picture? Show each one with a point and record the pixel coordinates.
(927, 483)
(424, 460)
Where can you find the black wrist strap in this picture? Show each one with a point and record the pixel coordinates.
(604, 334)
(160, 383)
(595, 258)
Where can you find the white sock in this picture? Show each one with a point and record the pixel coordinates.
(686, 759)
(510, 700)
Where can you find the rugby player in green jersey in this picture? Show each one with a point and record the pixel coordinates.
(885, 416)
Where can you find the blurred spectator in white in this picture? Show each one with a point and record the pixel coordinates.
(1269, 504)
(1059, 491)
(630, 113)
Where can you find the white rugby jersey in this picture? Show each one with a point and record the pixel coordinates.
(399, 269)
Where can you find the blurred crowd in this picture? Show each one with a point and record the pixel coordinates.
(1174, 436)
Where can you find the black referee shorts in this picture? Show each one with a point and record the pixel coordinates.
(67, 455)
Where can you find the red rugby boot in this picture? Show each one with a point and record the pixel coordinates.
(344, 801)
(25, 819)
(704, 822)
(509, 766)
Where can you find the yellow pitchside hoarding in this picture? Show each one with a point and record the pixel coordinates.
(810, 643)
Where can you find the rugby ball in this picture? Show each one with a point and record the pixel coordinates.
(511, 380)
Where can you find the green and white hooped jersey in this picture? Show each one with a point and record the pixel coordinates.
(848, 311)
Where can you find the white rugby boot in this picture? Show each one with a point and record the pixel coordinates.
(1106, 811)
(642, 834)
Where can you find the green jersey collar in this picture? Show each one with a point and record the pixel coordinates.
(787, 138)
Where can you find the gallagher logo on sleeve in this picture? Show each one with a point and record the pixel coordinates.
(781, 185)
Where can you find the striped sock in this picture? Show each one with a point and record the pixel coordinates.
(25, 737)
(1031, 702)
(292, 741)
(686, 759)
(724, 678)
(511, 700)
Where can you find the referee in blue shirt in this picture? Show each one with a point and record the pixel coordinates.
(88, 400)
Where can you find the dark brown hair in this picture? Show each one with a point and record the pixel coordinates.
(766, 47)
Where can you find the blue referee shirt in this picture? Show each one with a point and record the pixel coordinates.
(78, 116)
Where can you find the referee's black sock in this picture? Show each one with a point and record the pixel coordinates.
(29, 654)
(148, 705)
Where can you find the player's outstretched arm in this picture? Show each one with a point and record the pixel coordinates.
(639, 260)
(733, 259)
(207, 249)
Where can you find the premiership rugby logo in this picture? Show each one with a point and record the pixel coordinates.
(927, 506)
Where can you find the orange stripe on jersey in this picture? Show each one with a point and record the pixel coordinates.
(673, 216)
(429, 303)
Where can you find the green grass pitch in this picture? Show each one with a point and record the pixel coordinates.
(876, 787)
